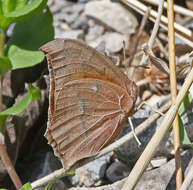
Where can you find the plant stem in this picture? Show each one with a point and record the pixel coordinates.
(2, 45)
(2, 41)
(3, 152)
(8, 164)
(173, 91)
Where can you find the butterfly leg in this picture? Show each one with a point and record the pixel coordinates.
(155, 110)
(133, 131)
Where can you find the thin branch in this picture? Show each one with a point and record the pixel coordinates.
(173, 91)
(150, 149)
(51, 177)
(183, 33)
(154, 32)
(8, 164)
(142, 127)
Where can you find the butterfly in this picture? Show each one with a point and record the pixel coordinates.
(89, 102)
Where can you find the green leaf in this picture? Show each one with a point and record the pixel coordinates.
(70, 173)
(17, 10)
(22, 11)
(11, 5)
(28, 36)
(183, 134)
(188, 100)
(5, 65)
(3, 189)
(27, 186)
(33, 94)
(21, 58)
(49, 186)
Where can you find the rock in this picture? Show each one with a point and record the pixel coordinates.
(113, 41)
(72, 34)
(158, 161)
(161, 178)
(49, 163)
(164, 177)
(91, 173)
(117, 170)
(94, 32)
(187, 120)
(80, 23)
(71, 13)
(69, 20)
(112, 15)
(57, 5)
(42, 164)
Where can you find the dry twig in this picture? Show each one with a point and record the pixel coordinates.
(141, 28)
(154, 32)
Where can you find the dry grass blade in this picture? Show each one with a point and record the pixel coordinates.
(177, 9)
(173, 91)
(188, 179)
(150, 149)
(180, 31)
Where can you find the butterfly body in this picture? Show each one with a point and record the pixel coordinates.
(90, 100)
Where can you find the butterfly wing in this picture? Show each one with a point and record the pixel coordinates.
(89, 100)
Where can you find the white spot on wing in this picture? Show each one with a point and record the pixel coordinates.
(95, 88)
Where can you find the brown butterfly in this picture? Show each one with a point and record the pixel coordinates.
(90, 100)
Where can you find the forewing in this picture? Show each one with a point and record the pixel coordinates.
(71, 60)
